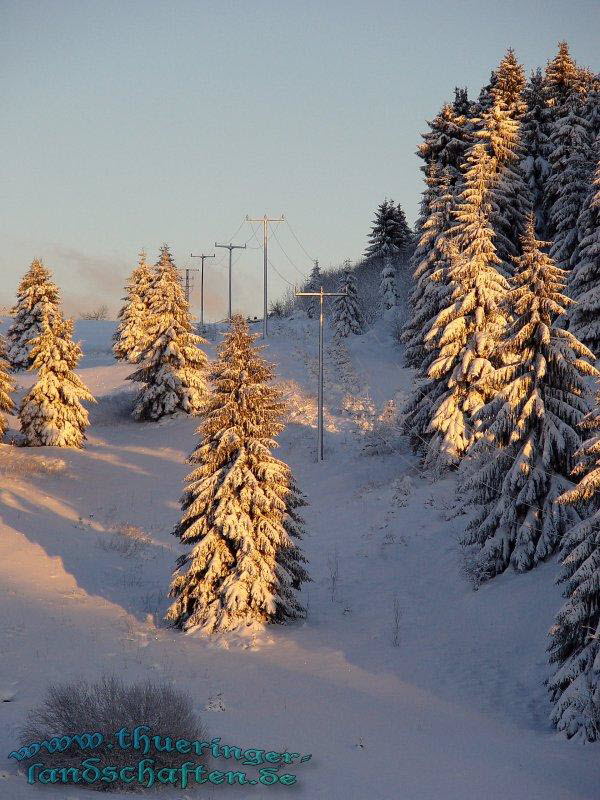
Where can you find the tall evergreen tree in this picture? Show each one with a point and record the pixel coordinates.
(575, 643)
(569, 179)
(313, 285)
(173, 367)
(51, 413)
(562, 77)
(347, 312)
(536, 146)
(445, 145)
(591, 109)
(239, 506)
(390, 234)
(461, 104)
(584, 279)
(432, 261)
(466, 331)
(485, 99)
(388, 291)
(538, 398)
(568, 182)
(130, 338)
(508, 194)
(37, 303)
(6, 387)
(508, 87)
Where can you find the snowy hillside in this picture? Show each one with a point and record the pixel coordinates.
(403, 682)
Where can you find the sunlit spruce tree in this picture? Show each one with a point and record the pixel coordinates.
(529, 427)
(466, 331)
(562, 77)
(7, 386)
(431, 283)
(131, 335)
(240, 504)
(37, 304)
(173, 371)
(51, 413)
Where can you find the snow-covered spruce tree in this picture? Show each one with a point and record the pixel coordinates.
(240, 504)
(173, 366)
(569, 179)
(130, 338)
(521, 463)
(51, 413)
(562, 77)
(446, 144)
(431, 263)
(387, 286)
(508, 195)
(485, 99)
(37, 302)
(591, 109)
(313, 285)
(584, 278)
(389, 238)
(575, 643)
(347, 314)
(6, 387)
(508, 87)
(466, 332)
(536, 146)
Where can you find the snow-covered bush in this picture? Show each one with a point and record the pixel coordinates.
(105, 706)
(127, 540)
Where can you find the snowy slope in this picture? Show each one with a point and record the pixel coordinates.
(456, 711)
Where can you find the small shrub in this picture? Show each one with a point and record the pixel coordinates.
(15, 462)
(128, 540)
(105, 706)
(99, 313)
(397, 328)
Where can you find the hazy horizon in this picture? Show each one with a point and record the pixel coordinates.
(132, 124)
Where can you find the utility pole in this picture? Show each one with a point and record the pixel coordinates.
(230, 247)
(203, 257)
(321, 295)
(265, 221)
(187, 283)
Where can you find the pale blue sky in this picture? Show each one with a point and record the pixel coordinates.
(130, 123)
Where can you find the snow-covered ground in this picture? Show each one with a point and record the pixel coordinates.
(456, 711)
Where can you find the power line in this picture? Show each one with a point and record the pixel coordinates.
(310, 258)
(230, 247)
(265, 222)
(298, 270)
(321, 295)
(273, 267)
(203, 257)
